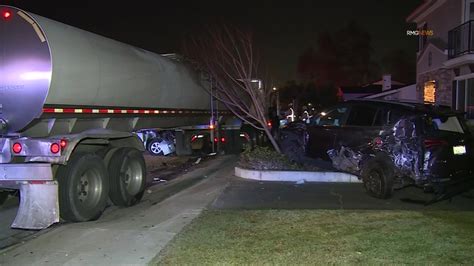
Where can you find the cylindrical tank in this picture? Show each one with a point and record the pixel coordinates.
(44, 62)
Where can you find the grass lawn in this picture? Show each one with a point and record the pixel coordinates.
(324, 236)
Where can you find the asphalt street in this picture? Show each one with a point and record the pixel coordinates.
(249, 194)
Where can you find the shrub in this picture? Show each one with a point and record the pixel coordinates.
(264, 158)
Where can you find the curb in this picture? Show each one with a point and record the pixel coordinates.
(296, 176)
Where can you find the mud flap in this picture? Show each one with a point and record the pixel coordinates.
(39, 207)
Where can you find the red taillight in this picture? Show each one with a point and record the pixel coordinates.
(222, 139)
(216, 139)
(434, 142)
(55, 148)
(378, 142)
(6, 14)
(269, 123)
(63, 144)
(194, 138)
(17, 147)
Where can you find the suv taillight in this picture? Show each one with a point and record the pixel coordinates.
(434, 142)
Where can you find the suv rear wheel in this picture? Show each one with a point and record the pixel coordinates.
(378, 178)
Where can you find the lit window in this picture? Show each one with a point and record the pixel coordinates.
(429, 92)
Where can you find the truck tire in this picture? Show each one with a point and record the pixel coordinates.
(83, 187)
(3, 196)
(153, 146)
(127, 173)
(378, 178)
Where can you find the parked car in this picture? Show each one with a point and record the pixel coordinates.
(389, 145)
(158, 143)
(201, 142)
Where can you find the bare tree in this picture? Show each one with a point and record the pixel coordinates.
(228, 56)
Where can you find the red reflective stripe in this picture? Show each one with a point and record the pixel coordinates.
(37, 182)
(50, 110)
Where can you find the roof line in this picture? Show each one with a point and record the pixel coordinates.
(383, 101)
(427, 7)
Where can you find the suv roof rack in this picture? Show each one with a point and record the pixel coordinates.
(422, 107)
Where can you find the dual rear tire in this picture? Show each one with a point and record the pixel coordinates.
(127, 177)
(85, 183)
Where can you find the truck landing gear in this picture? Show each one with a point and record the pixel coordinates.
(83, 187)
(127, 177)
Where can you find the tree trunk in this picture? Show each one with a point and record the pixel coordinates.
(272, 139)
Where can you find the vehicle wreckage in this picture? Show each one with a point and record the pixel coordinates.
(431, 150)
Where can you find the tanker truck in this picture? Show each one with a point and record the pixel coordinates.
(71, 104)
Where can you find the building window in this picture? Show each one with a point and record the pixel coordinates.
(429, 92)
(461, 95)
(469, 10)
(465, 97)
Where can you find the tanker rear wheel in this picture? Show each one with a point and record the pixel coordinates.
(127, 177)
(83, 187)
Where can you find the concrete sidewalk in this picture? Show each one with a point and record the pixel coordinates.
(129, 235)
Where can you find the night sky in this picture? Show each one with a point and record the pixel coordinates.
(282, 31)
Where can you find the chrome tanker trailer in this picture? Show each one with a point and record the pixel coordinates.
(70, 102)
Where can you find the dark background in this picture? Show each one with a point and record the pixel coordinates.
(282, 30)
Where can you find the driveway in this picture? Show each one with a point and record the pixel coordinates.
(249, 194)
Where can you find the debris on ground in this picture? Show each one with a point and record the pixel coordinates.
(159, 180)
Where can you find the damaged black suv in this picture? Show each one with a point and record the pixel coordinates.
(390, 145)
